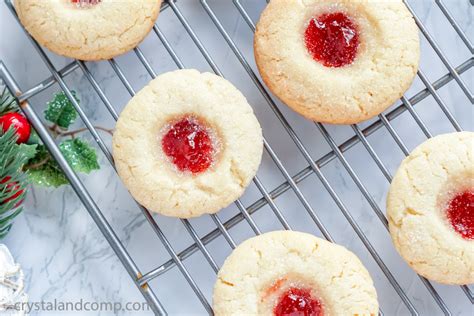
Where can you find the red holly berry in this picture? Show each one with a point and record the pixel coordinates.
(19, 122)
(11, 187)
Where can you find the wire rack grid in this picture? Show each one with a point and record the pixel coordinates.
(338, 152)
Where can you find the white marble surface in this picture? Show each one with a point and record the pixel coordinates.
(64, 255)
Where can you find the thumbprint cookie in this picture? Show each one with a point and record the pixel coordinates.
(88, 29)
(292, 273)
(430, 207)
(337, 61)
(187, 144)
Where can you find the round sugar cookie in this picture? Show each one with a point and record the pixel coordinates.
(88, 29)
(293, 273)
(430, 207)
(337, 61)
(187, 144)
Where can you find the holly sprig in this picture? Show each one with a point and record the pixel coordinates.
(42, 169)
(24, 158)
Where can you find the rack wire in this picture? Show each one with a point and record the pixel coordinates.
(268, 197)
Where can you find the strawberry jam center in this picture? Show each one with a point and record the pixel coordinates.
(298, 302)
(460, 213)
(332, 39)
(83, 3)
(189, 145)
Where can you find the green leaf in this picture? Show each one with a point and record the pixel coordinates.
(34, 138)
(28, 151)
(47, 176)
(80, 155)
(60, 110)
(47, 173)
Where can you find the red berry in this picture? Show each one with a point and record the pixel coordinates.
(11, 187)
(298, 302)
(332, 39)
(189, 145)
(19, 122)
(460, 213)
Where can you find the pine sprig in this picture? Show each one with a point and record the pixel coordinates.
(7, 102)
(13, 182)
(11, 161)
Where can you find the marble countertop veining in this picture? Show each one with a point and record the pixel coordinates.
(65, 257)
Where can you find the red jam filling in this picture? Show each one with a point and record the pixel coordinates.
(332, 39)
(298, 302)
(460, 213)
(189, 146)
(81, 3)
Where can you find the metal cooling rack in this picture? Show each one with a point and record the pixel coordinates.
(314, 165)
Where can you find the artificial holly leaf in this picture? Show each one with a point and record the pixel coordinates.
(48, 175)
(34, 138)
(28, 151)
(60, 110)
(80, 155)
(44, 170)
